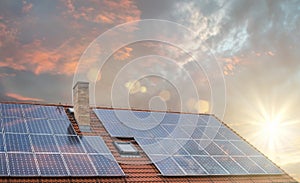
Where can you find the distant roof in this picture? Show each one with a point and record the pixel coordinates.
(39, 142)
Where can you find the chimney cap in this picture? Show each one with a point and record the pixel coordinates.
(81, 83)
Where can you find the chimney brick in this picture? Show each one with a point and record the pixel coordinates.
(82, 105)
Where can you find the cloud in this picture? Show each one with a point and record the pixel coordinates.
(123, 53)
(107, 12)
(22, 98)
(51, 43)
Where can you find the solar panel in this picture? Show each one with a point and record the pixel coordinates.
(12, 110)
(44, 143)
(21, 164)
(106, 165)
(266, 164)
(79, 165)
(14, 125)
(230, 165)
(18, 143)
(69, 144)
(40, 141)
(61, 126)
(188, 139)
(167, 166)
(51, 165)
(38, 126)
(210, 165)
(94, 144)
(1, 143)
(249, 165)
(228, 148)
(55, 112)
(33, 111)
(3, 169)
(189, 165)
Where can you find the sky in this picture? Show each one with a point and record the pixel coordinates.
(239, 60)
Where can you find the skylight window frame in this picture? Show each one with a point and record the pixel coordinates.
(124, 152)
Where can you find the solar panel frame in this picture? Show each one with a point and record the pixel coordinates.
(230, 165)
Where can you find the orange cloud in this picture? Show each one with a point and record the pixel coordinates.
(229, 64)
(20, 97)
(108, 12)
(123, 53)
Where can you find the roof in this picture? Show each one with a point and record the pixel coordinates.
(136, 168)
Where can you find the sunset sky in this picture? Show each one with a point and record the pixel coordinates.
(252, 50)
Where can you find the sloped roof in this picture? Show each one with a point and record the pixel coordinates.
(139, 169)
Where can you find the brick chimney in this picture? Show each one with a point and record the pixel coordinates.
(82, 105)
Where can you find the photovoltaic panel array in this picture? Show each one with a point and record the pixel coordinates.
(187, 144)
(40, 141)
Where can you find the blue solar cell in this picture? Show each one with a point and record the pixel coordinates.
(151, 146)
(210, 165)
(79, 165)
(14, 125)
(1, 143)
(21, 164)
(61, 126)
(196, 133)
(202, 120)
(18, 143)
(33, 111)
(106, 165)
(179, 133)
(189, 165)
(228, 134)
(168, 167)
(44, 143)
(55, 112)
(171, 118)
(228, 148)
(192, 147)
(158, 131)
(51, 165)
(117, 129)
(12, 110)
(94, 144)
(210, 147)
(266, 165)
(172, 147)
(231, 166)
(69, 144)
(3, 169)
(106, 115)
(245, 148)
(249, 165)
(38, 126)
